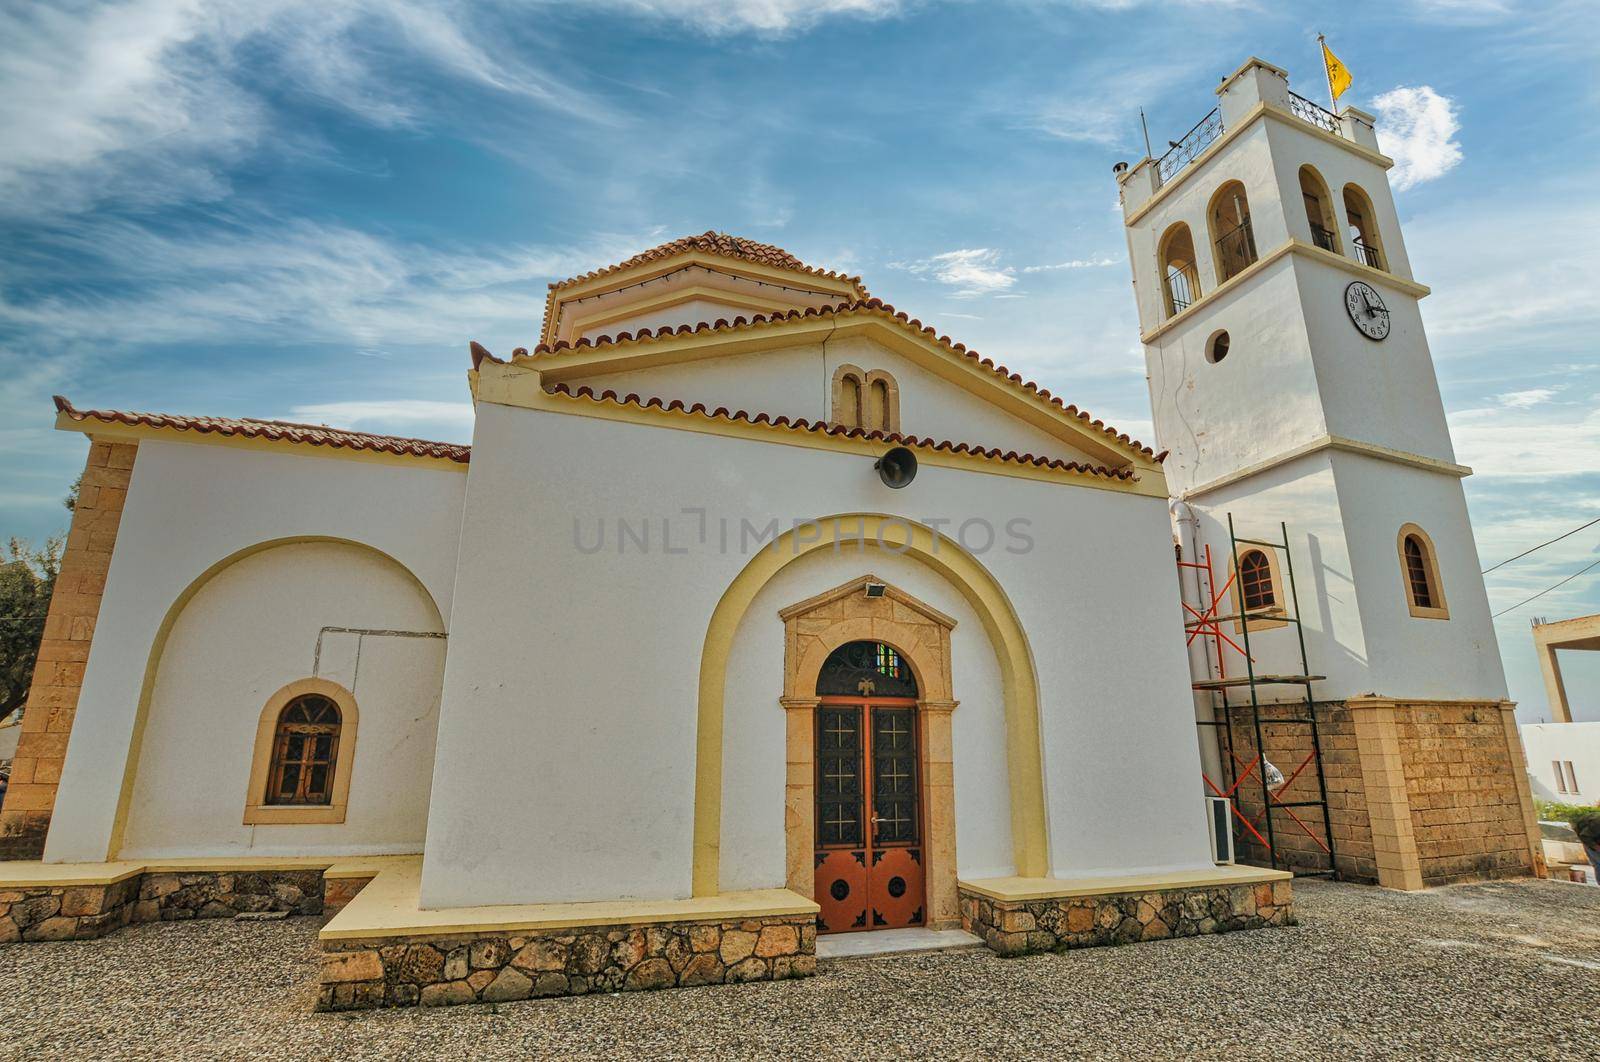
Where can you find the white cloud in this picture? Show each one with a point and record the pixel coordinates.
(774, 17)
(1531, 397)
(970, 271)
(1076, 263)
(148, 100)
(265, 279)
(1416, 127)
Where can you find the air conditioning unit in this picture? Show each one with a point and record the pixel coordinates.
(1219, 816)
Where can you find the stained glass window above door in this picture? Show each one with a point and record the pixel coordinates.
(866, 669)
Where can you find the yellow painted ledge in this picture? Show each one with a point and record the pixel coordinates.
(389, 907)
(1016, 889)
(32, 874)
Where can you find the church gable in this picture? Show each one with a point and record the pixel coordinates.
(700, 278)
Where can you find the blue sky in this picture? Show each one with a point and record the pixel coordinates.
(279, 208)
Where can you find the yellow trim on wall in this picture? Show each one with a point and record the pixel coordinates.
(138, 432)
(158, 645)
(1341, 444)
(585, 363)
(1430, 556)
(257, 812)
(817, 283)
(526, 394)
(1259, 112)
(1024, 754)
(1288, 247)
(676, 297)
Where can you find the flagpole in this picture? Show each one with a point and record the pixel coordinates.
(1327, 73)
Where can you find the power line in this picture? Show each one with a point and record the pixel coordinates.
(1546, 590)
(1542, 545)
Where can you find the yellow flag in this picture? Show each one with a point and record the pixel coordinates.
(1338, 75)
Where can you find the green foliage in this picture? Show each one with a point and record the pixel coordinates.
(1552, 811)
(1585, 823)
(27, 577)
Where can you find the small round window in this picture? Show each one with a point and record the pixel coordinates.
(1217, 347)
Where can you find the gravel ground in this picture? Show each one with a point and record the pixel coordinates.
(1506, 969)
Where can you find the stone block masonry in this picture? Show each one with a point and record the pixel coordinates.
(502, 967)
(1420, 793)
(64, 651)
(86, 911)
(1026, 926)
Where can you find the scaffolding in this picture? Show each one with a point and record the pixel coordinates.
(1206, 622)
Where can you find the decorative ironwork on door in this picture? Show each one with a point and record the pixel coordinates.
(869, 860)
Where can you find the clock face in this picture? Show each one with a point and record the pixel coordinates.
(1367, 310)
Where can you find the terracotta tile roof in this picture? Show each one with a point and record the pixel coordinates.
(872, 306)
(708, 242)
(279, 430)
(717, 243)
(800, 424)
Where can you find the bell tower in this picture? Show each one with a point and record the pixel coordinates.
(1291, 383)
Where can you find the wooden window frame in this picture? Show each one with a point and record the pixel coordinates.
(1430, 555)
(1237, 592)
(257, 812)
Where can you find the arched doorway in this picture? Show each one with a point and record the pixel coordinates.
(870, 863)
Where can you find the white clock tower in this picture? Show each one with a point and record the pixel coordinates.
(1292, 385)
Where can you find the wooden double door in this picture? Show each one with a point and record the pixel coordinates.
(869, 820)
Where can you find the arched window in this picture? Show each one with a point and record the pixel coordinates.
(865, 399)
(849, 386)
(1319, 210)
(1419, 571)
(305, 745)
(1255, 581)
(1180, 281)
(883, 402)
(304, 752)
(1364, 242)
(1229, 218)
(870, 669)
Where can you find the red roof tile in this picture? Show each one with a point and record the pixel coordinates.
(800, 424)
(279, 430)
(717, 243)
(872, 306)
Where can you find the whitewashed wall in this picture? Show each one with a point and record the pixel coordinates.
(1578, 742)
(797, 381)
(754, 736)
(259, 625)
(191, 506)
(567, 731)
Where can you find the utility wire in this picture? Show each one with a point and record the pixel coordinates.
(1546, 590)
(1541, 545)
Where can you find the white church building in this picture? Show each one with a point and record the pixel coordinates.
(758, 610)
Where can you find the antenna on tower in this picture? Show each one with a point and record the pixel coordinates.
(1146, 128)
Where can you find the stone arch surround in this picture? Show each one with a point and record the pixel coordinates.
(965, 574)
(813, 629)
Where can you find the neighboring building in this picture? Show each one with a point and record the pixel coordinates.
(1564, 761)
(1580, 633)
(673, 669)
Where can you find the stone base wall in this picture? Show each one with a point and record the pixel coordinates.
(82, 912)
(1021, 927)
(499, 968)
(337, 892)
(1287, 745)
(1462, 785)
(1462, 792)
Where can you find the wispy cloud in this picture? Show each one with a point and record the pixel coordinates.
(771, 17)
(398, 415)
(1533, 396)
(142, 101)
(1075, 263)
(1417, 126)
(971, 271)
